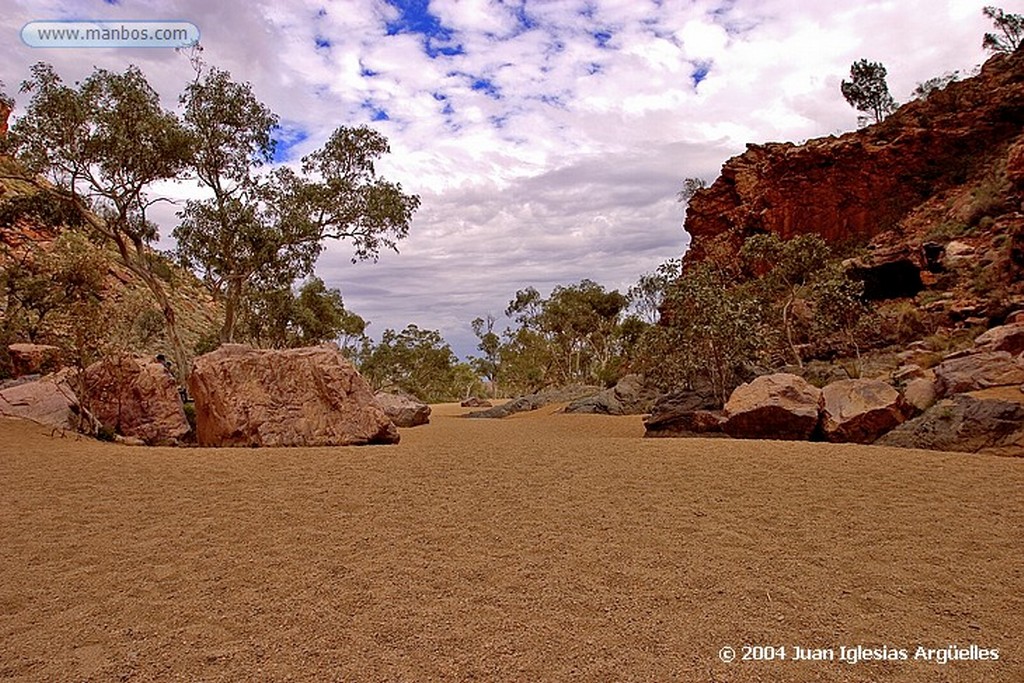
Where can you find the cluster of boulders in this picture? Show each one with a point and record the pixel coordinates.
(630, 396)
(242, 397)
(943, 408)
(538, 400)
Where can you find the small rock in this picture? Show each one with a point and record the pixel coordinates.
(475, 402)
(920, 393)
(906, 373)
(404, 411)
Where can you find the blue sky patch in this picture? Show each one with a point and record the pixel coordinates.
(286, 137)
(415, 17)
(486, 87)
(376, 113)
(700, 72)
(524, 19)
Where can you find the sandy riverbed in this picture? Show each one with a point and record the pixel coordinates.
(541, 547)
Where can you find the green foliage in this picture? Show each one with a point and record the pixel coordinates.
(714, 328)
(417, 362)
(39, 286)
(691, 186)
(867, 91)
(190, 415)
(647, 295)
(572, 336)
(280, 318)
(786, 271)
(1009, 31)
(946, 231)
(5, 99)
(47, 208)
(932, 85)
(786, 298)
(487, 366)
(262, 232)
(103, 143)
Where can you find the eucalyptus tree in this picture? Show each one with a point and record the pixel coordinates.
(1009, 31)
(262, 231)
(103, 143)
(867, 90)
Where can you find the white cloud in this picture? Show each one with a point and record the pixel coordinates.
(571, 171)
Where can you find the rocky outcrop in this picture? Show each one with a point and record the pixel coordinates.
(136, 397)
(294, 397)
(977, 371)
(964, 424)
(685, 412)
(860, 410)
(780, 406)
(1009, 338)
(50, 401)
(628, 397)
(685, 423)
(404, 411)
(855, 186)
(32, 359)
(538, 400)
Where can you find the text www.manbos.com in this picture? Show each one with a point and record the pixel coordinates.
(109, 34)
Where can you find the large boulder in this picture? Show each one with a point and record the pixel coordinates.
(31, 359)
(50, 401)
(136, 397)
(965, 424)
(628, 397)
(860, 410)
(1009, 338)
(403, 410)
(293, 397)
(977, 371)
(779, 406)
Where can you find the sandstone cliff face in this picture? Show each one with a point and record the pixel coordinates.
(856, 186)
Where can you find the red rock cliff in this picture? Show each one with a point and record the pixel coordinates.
(853, 187)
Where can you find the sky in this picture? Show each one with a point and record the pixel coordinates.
(547, 139)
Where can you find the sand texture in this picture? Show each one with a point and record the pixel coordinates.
(543, 547)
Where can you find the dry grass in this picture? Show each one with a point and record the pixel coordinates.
(541, 547)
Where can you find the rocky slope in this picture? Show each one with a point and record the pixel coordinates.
(929, 200)
(127, 318)
(853, 187)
